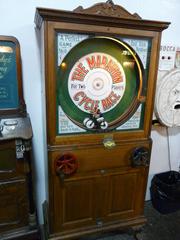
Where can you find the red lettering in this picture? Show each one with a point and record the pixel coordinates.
(82, 68)
(77, 95)
(110, 101)
(79, 72)
(89, 104)
(98, 61)
(104, 61)
(114, 97)
(117, 77)
(84, 100)
(106, 103)
(101, 61)
(91, 62)
(108, 67)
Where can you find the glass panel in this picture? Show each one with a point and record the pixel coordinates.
(100, 83)
(8, 76)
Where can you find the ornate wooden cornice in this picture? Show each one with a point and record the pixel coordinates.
(102, 14)
(107, 9)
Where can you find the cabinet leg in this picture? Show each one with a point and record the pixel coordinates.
(136, 232)
(138, 236)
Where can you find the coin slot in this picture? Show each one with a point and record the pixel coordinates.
(11, 122)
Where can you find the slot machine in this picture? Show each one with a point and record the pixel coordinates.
(17, 209)
(100, 67)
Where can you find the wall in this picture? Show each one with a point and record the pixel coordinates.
(17, 19)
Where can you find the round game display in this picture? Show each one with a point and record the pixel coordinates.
(99, 83)
(167, 104)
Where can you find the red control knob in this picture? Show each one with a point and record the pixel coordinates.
(66, 164)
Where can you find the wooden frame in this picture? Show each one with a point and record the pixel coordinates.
(55, 21)
(100, 170)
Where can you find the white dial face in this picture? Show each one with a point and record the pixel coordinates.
(168, 99)
(97, 80)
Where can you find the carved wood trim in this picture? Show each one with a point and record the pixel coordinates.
(107, 9)
(54, 15)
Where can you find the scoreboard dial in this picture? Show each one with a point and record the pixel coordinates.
(99, 83)
(94, 80)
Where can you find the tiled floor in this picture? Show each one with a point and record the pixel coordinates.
(158, 227)
(161, 227)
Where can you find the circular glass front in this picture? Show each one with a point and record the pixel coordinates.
(99, 83)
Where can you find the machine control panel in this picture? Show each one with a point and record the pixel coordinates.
(13, 128)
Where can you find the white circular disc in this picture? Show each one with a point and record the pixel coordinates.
(97, 80)
(167, 104)
(98, 84)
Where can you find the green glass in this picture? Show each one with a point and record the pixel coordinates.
(8, 76)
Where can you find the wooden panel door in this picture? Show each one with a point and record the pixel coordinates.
(14, 206)
(8, 163)
(97, 198)
(79, 201)
(126, 194)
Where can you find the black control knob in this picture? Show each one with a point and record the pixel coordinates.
(140, 157)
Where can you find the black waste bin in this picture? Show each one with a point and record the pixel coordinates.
(165, 192)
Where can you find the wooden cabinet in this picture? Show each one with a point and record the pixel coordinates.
(97, 198)
(14, 195)
(17, 218)
(106, 191)
(100, 67)
(17, 209)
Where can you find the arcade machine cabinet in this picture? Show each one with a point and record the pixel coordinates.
(100, 67)
(17, 210)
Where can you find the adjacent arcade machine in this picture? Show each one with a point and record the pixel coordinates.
(100, 67)
(17, 210)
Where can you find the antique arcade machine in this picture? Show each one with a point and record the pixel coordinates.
(100, 67)
(17, 210)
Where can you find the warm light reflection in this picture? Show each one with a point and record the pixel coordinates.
(128, 64)
(63, 65)
(4, 49)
